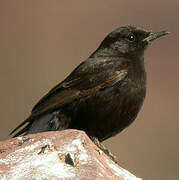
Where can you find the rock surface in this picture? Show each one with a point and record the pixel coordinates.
(67, 154)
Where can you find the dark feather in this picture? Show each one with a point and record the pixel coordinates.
(20, 125)
(85, 80)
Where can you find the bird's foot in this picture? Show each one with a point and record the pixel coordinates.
(104, 149)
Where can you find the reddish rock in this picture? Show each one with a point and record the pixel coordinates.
(67, 154)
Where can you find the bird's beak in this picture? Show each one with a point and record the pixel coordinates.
(155, 35)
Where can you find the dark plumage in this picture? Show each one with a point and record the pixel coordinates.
(103, 95)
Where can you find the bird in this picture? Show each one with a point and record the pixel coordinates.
(103, 95)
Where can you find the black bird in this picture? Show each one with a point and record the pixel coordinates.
(103, 95)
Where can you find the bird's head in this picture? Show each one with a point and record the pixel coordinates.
(128, 41)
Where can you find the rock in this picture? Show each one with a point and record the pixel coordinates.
(68, 154)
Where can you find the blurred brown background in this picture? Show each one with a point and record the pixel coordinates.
(42, 41)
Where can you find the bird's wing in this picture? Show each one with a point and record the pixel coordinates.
(89, 77)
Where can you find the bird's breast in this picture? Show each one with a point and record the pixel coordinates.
(112, 109)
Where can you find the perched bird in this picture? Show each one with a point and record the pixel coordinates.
(103, 95)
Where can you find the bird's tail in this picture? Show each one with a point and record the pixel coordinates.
(26, 123)
(48, 122)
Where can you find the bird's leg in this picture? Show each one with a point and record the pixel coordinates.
(104, 149)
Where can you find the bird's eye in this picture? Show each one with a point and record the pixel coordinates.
(131, 38)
